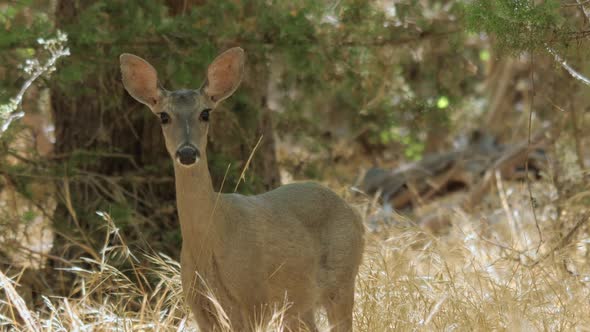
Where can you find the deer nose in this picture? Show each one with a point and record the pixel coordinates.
(187, 155)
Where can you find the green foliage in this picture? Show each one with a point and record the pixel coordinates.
(352, 55)
(123, 213)
(518, 25)
(28, 216)
(344, 52)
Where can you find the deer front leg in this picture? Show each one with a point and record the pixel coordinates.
(205, 319)
(211, 309)
(200, 305)
(202, 310)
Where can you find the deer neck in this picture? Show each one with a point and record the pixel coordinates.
(196, 199)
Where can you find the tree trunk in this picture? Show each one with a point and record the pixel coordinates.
(264, 163)
(111, 150)
(112, 158)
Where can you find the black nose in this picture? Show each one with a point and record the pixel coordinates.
(187, 154)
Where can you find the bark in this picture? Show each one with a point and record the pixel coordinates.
(102, 134)
(111, 154)
(265, 160)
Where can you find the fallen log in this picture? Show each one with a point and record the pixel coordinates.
(470, 168)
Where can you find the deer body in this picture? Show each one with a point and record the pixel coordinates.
(299, 245)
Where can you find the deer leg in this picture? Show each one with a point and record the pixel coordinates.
(308, 321)
(301, 322)
(205, 320)
(338, 306)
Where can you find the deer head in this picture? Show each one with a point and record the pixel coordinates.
(184, 114)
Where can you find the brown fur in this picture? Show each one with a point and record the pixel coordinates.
(300, 244)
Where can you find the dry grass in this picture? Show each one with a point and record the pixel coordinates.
(488, 273)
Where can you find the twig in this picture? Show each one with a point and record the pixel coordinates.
(575, 74)
(16, 102)
(32, 252)
(584, 10)
(577, 4)
(526, 160)
(507, 211)
(566, 239)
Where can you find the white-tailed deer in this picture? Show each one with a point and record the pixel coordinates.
(300, 243)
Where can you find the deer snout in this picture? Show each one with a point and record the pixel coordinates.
(187, 155)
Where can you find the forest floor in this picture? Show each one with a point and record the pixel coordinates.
(490, 271)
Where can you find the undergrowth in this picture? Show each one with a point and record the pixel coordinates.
(490, 272)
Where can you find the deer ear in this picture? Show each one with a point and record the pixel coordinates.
(224, 74)
(140, 79)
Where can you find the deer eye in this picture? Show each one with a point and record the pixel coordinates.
(205, 115)
(164, 117)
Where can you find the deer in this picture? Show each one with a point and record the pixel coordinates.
(299, 245)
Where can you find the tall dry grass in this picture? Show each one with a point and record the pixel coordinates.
(490, 272)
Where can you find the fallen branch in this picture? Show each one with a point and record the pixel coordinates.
(504, 164)
(470, 168)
